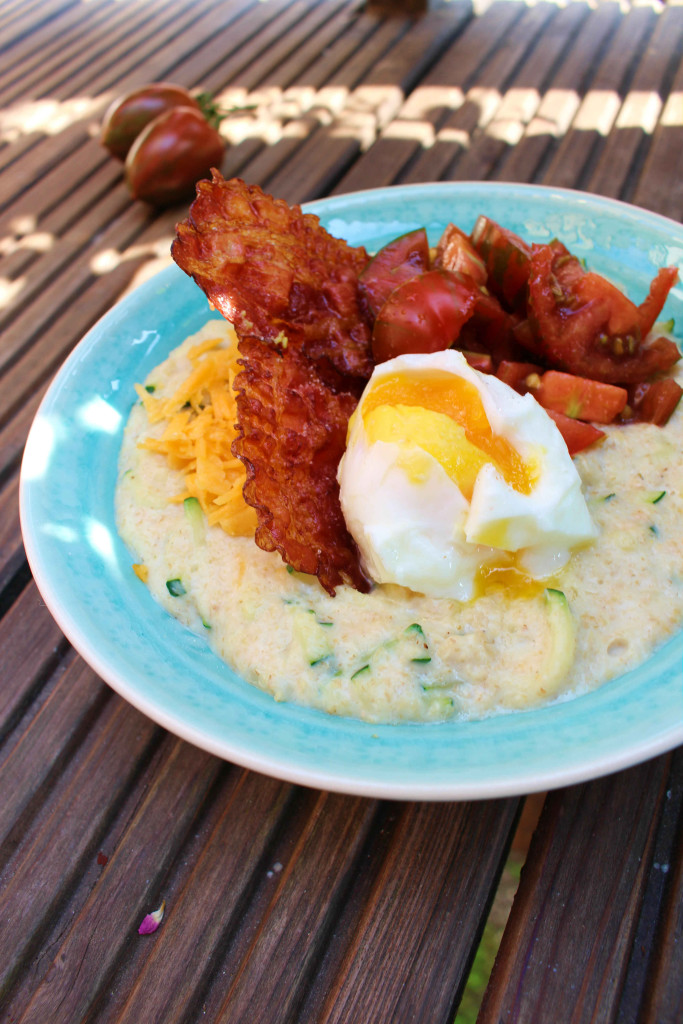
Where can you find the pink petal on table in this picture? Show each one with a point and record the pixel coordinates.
(151, 922)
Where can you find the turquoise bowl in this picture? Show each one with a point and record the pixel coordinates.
(83, 569)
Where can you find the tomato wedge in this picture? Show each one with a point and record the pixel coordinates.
(584, 325)
(424, 314)
(506, 257)
(659, 289)
(581, 398)
(399, 260)
(577, 434)
(656, 401)
(456, 252)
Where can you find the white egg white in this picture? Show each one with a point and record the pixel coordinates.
(425, 535)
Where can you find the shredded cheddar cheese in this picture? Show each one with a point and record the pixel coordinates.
(199, 428)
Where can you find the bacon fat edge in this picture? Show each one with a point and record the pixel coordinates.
(291, 291)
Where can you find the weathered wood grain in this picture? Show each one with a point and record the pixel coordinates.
(31, 644)
(485, 111)
(20, 20)
(50, 856)
(35, 272)
(369, 107)
(47, 739)
(11, 545)
(570, 932)
(524, 162)
(236, 861)
(285, 904)
(72, 53)
(652, 989)
(407, 953)
(637, 118)
(599, 108)
(129, 887)
(663, 1002)
(441, 91)
(14, 433)
(273, 158)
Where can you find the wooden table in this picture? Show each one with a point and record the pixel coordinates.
(284, 903)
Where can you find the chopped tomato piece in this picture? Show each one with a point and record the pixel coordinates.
(493, 328)
(396, 262)
(424, 314)
(656, 401)
(456, 252)
(577, 434)
(659, 289)
(584, 325)
(506, 257)
(479, 360)
(581, 398)
(517, 375)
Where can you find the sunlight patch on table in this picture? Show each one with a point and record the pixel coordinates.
(555, 114)
(640, 109)
(107, 260)
(598, 111)
(415, 131)
(428, 98)
(672, 114)
(46, 116)
(36, 241)
(9, 290)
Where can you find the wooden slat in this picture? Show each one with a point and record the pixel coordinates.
(422, 919)
(283, 903)
(562, 97)
(272, 158)
(573, 921)
(30, 646)
(597, 113)
(441, 90)
(82, 48)
(14, 433)
(486, 103)
(46, 741)
(51, 854)
(155, 50)
(37, 325)
(38, 272)
(11, 545)
(102, 933)
(641, 108)
(657, 188)
(453, 134)
(23, 18)
(369, 107)
(331, 836)
(36, 50)
(662, 1002)
(148, 61)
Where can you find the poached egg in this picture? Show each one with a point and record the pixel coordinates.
(449, 473)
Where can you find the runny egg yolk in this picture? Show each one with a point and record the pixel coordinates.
(442, 414)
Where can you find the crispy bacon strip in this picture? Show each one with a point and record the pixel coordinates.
(272, 271)
(291, 290)
(291, 436)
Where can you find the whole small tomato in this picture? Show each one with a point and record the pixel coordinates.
(128, 115)
(173, 152)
